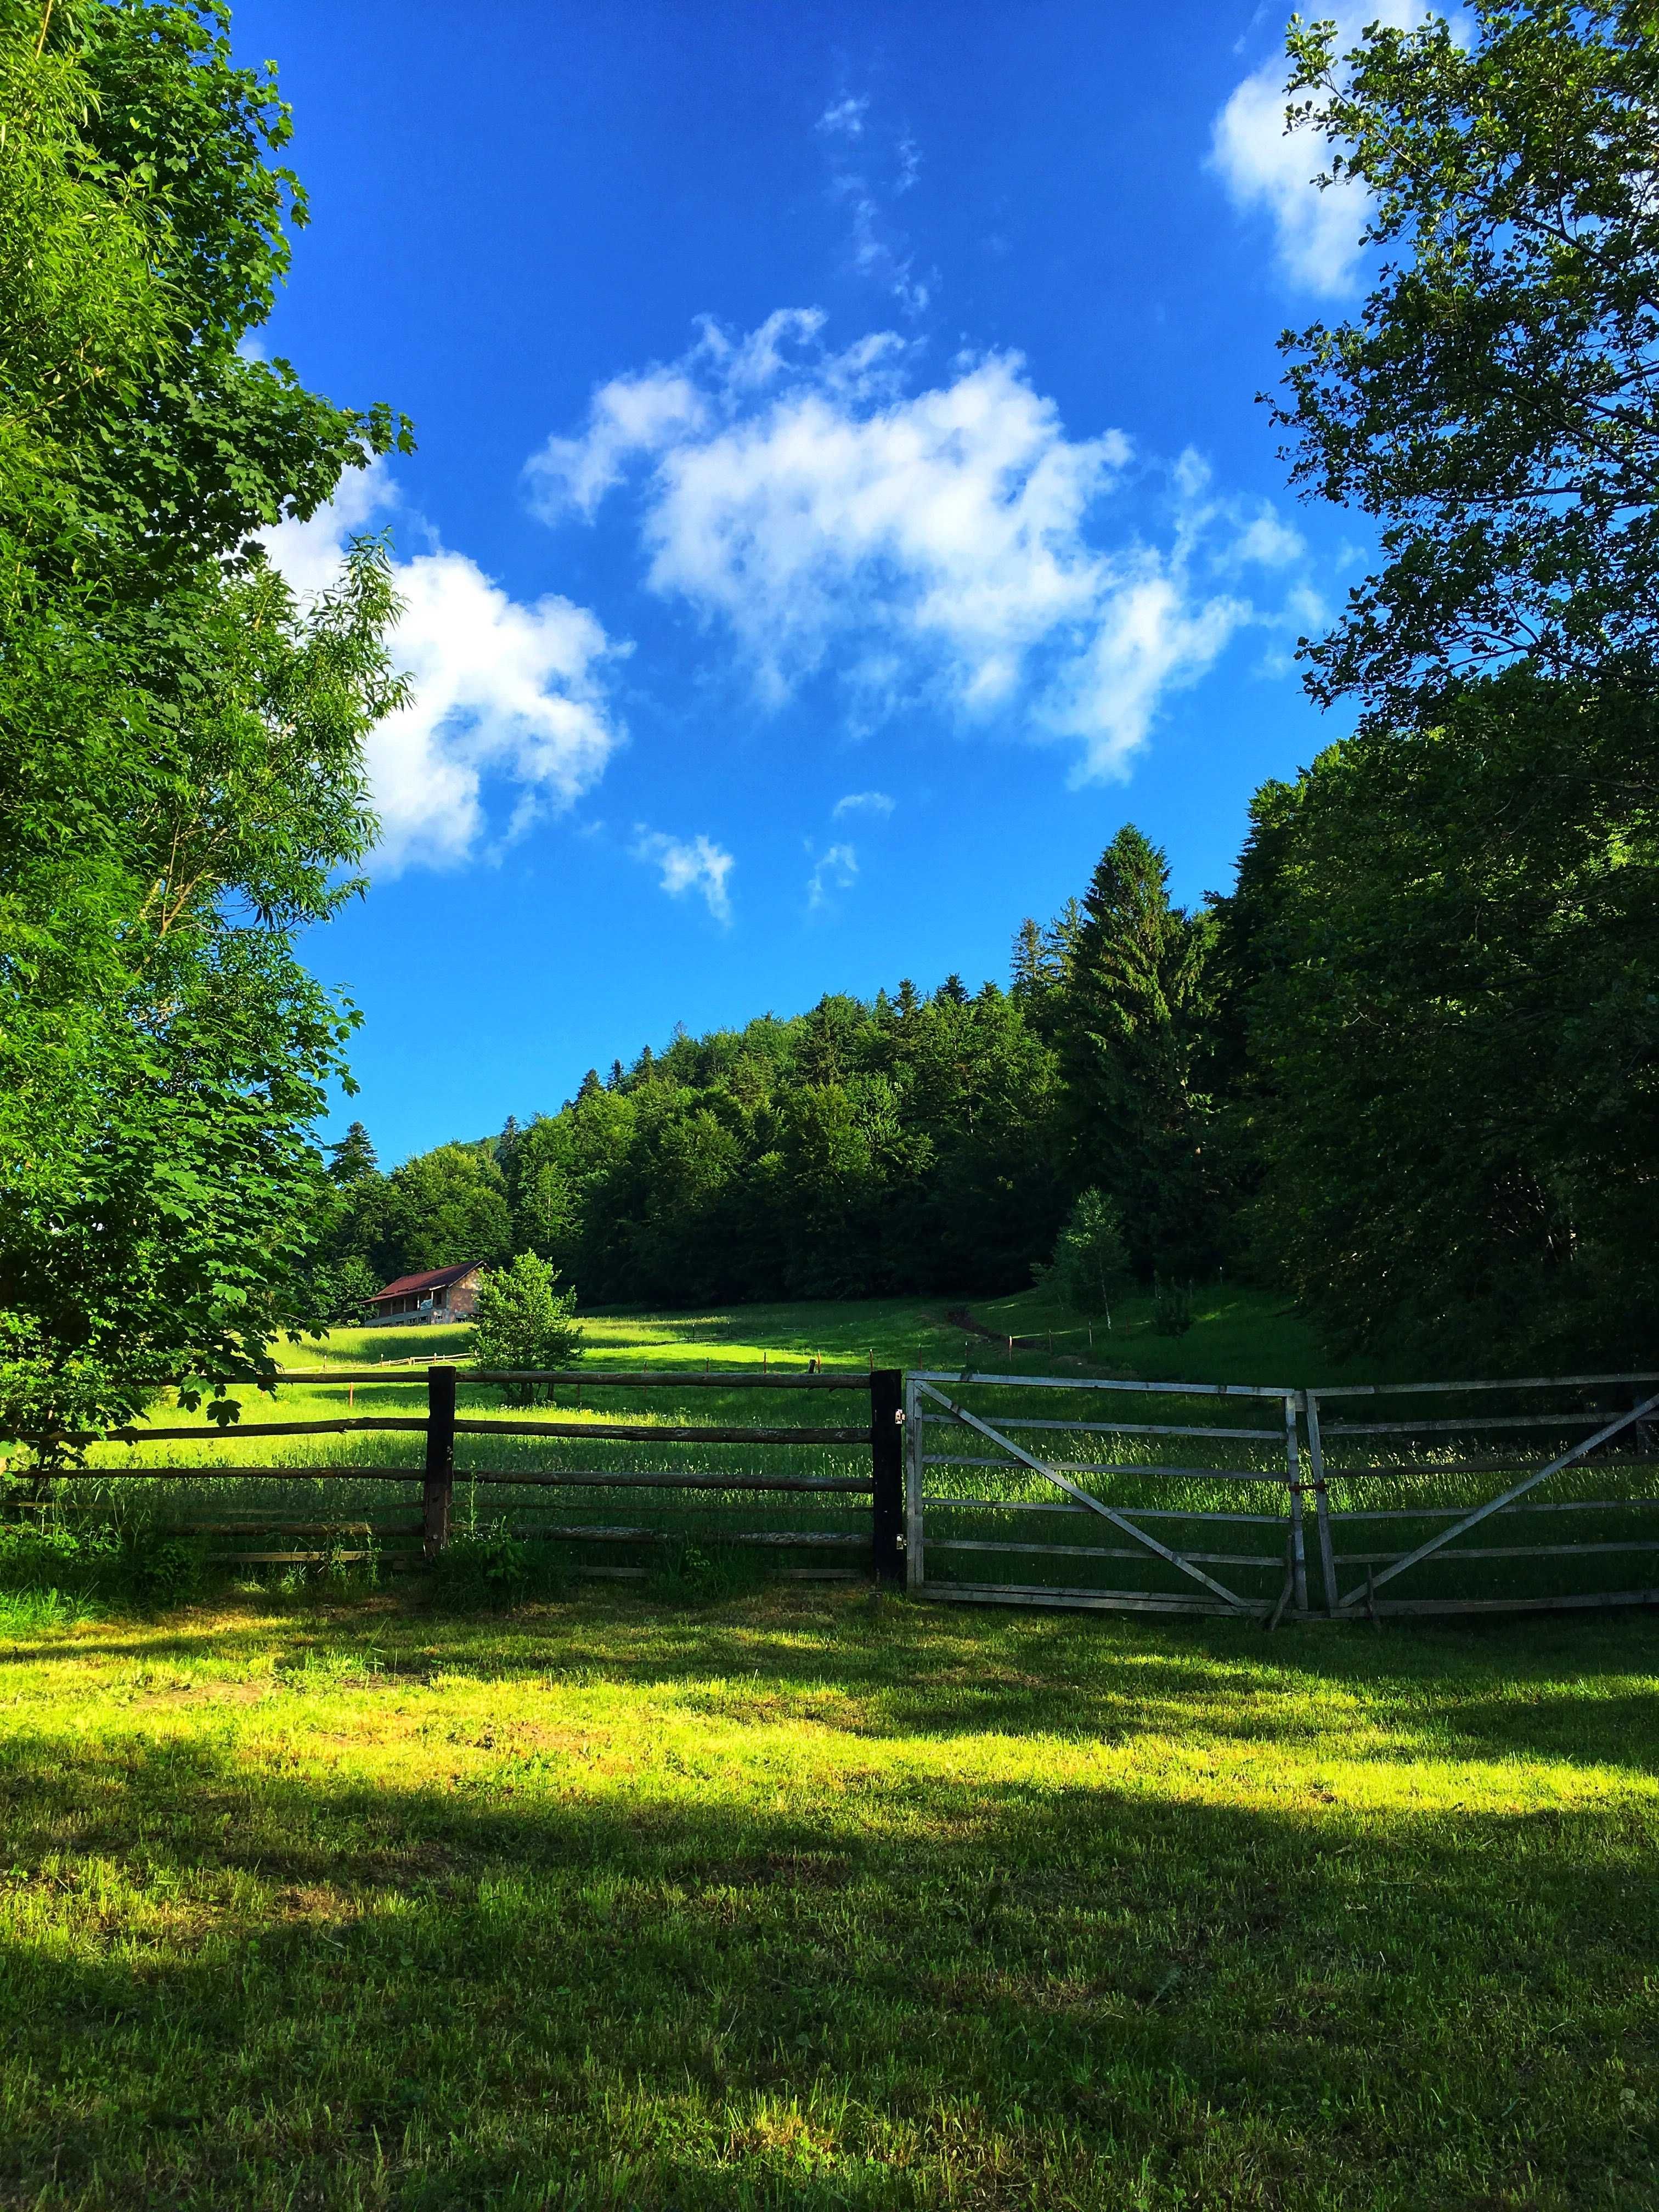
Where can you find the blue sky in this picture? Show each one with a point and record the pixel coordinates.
(841, 500)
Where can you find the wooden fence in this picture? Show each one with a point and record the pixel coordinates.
(875, 1497)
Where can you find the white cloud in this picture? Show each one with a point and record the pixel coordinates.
(837, 870)
(687, 864)
(500, 688)
(844, 118)
(1316, 232)
(945, 544)
(862, 802)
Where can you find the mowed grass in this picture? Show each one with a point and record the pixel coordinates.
(810, 1900)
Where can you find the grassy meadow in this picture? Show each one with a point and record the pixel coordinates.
(703, 1889)
(987, 1523)
(809, 1899)
(373, 1525)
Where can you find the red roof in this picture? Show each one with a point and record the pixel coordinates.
(434, 1279)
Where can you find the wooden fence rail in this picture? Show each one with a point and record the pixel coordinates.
(881, 1435)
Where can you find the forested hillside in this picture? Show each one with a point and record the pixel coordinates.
(915, 1142)
(1403, 1070)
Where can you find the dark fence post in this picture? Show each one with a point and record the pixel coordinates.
(440, 1455)
(887, 1467)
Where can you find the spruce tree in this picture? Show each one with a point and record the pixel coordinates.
(1131, 1031)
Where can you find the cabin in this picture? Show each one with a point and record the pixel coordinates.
(440, 1294)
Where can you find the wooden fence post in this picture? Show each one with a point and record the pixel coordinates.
(439, 1456)
(887, 1468)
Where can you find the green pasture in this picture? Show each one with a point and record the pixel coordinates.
(812, 1900)
(372, 1525)
(1238, 1335)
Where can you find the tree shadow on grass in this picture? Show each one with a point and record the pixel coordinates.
(228, 1983)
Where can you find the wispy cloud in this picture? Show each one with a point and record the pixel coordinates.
(688, 864)
(844, 118)
(837, 869)
(1268, 171)
(871, 166)
(502, 688)
(862, 802)
(952, 543)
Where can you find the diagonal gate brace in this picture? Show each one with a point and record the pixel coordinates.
(1496, 1505)
(1083, 1498)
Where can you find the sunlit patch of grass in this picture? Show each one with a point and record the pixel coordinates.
(797, 1900)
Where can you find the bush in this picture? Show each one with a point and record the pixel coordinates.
(1091, 1264)
(150, 1567)
(1172, 1307)
(521, 1320)
(488, 1565)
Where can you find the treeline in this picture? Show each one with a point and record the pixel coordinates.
(908, 1143)
(1404, 1070)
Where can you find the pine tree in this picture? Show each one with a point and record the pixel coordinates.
(1131, 1029)
(1031, 968)
(353, 1160)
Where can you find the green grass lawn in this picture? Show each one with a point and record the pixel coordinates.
(1238, 1335)
(810, 1900)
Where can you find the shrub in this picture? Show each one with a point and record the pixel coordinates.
(1091, 1264)
(698, 1574)
(1172, 1307)
(151, 1567)
(485, 1565)
(521, 1320)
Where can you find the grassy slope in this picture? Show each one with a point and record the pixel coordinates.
(812, 1902)
(1239, 1335)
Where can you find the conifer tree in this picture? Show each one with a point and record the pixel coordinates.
(1131, 1032)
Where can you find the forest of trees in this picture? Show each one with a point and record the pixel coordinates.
(1402, 1071)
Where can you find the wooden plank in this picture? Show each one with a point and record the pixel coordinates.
(641, 1433)
(578, 1479)
(438, 1489)
(200, 1434)
(887, 1426)
(729, 1379)
(783, 1539)
(784, 1485)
